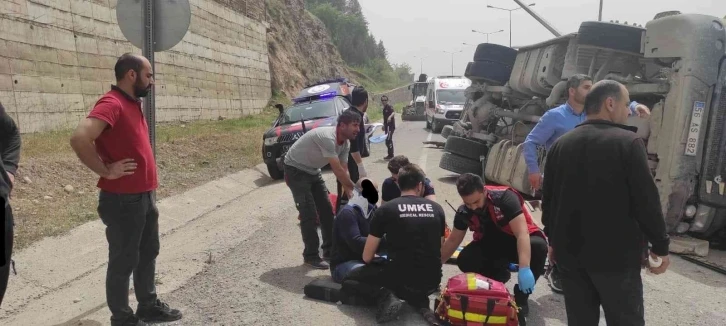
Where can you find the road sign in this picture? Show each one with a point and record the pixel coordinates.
(171, 21)
(153, 26)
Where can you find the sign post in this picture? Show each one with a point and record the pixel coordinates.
(153, 26)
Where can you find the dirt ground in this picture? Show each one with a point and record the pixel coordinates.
(55, 192)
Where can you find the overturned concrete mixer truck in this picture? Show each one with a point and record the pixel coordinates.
(675, 65)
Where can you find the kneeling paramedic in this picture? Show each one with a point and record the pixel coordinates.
(350, 230)
(504, 233)
(414, 231)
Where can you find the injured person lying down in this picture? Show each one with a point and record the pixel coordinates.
(350, 230)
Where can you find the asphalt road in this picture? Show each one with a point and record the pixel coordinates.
(231, 254)
(260, 281)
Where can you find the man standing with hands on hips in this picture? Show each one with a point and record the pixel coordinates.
(113, 141)
(389, 125)
(598, 186)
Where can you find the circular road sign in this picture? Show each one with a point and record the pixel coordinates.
(171, 22)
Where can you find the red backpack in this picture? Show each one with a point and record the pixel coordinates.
(472, 299)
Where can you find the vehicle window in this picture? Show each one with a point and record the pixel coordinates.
(341, 104)
(314, 110)
(451, 96)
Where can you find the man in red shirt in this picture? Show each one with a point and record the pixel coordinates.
(113, 141)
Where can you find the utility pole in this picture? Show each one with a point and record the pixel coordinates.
(599, 16)
(510, 19)
(421, 63)
(489, 33)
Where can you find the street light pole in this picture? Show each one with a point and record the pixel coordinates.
(452, 59)
(599, 15)
(421, 63)
(510, 19)
(487, 34)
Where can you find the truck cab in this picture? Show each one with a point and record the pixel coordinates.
(445, 98)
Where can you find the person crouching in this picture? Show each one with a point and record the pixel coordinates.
(503, 234)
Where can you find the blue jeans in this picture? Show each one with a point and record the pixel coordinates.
(342, 270)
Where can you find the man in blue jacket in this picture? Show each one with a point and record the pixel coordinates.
(350, 230)
(555, 123)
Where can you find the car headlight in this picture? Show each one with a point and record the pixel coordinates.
(271, 141)
(440, 111)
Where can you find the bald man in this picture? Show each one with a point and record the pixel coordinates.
(600, 208)
(113, 141)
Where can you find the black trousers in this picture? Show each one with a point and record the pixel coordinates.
(491, 256)
(311, 199)
(366, 282)
(389, 140)
(354, 176)
(132, 232)
(7, 241)
(619, 293)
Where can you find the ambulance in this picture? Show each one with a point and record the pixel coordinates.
(445, 98)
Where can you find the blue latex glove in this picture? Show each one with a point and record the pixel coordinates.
(526, 280)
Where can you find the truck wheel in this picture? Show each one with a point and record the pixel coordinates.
(489, 71)
(275, 173)
(468, 148)
(611, 36)
(446, 131)
(428, 124)
(436, 125)
(495, 53)
(459, 164)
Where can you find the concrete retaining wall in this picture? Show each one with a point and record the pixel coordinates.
(57, 58)
(395, 96)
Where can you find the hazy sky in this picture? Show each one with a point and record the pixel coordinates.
(425, 28)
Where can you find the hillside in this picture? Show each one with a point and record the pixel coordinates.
(315, 39)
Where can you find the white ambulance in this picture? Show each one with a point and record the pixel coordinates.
(445, 100)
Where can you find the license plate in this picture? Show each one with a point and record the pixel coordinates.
(694, 130)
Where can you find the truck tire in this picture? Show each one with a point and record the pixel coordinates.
(275, 173)
(459, 164)
(489, 71)
(611, 36)
(436, 125)
(446, 131)
(495, 53)
(468, 148)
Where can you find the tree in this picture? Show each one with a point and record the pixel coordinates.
(354, 8)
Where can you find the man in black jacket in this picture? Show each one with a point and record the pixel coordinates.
(600, 207)
(10, 156)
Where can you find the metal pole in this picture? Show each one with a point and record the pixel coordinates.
(599, 16)
(487, 37)
(510, 28)
(148, 52)
(541, 20)
(452, 63)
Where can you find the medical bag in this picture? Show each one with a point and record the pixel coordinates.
(471, 299)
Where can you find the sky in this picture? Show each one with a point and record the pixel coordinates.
(412, 29)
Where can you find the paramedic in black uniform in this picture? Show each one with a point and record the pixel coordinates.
(598, 228)
(413, 227)
(10, 156)
(358, 147)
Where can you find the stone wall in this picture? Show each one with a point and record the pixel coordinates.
(57, 58)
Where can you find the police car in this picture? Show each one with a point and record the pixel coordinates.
(317, 105)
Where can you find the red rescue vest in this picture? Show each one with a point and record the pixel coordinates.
(494, 192)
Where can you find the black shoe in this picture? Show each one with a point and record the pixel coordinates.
(388, 306)
(130, 321)
(159, 312)
(317, 263)
(556, 281)
(388, 157)
(521, 299)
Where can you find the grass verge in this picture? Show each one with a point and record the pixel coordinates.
(55, 192)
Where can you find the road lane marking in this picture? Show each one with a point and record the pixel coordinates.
(424, 153)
